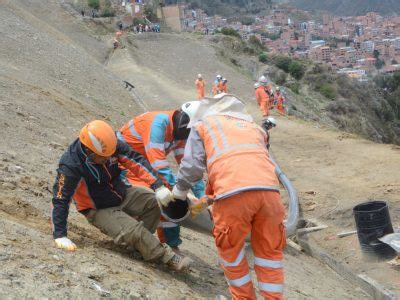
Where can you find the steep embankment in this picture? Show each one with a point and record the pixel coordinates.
(52, 82)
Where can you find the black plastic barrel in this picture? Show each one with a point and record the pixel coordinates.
(176, 211)
(373, 221)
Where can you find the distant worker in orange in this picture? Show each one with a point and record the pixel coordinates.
(279, 101)
(217, 85)
(200, 86)
(262, 96)
(224, 85)
(244, 200)
(116, 41)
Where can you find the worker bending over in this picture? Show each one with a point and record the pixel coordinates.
(224, 86)
(245, 200)
(89, 173)
(217, 85)
(154, 135)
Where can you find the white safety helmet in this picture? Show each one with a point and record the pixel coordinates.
(278, 89)
(263, 80)
(224, 79)
(219, 77)
(190, 108)
(199, 76)
(257, 85)
(272, 121)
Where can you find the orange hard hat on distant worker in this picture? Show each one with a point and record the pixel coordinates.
(99, 137)
(118, 33)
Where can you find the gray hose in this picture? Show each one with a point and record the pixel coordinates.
(293, 216)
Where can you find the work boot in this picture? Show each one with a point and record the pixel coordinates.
(179, 263)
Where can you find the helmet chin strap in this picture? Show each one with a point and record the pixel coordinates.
(89, 164)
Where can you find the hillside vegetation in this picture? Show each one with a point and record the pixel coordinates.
(315, 92)
(350, 7)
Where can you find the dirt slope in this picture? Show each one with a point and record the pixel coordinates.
(52, 82)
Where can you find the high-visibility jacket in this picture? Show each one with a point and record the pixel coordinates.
(262, 100)
(234, 153)
(216, 87)
(151, 134)
(93, 186)
(200, 86)
(224, 88)
(279, 101)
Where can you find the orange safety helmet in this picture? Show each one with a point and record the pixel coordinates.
(99, 137)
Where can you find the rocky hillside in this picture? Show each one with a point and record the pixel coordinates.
(230, 7)
(350, 7)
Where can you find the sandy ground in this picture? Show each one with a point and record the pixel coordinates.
(56, 75)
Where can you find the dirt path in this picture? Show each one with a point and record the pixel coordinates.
(333, 172)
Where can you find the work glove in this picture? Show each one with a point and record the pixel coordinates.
(199, 206)
(65, 243)
(178, 194)
(164, 196)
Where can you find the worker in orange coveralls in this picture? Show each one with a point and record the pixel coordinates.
(262, 96)
(200, 86)
(224, 86)
(154, 135)
(279, 101)
(245, 200)
(217, 85)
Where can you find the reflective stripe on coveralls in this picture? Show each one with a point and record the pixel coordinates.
(249, 200)
(230, 138)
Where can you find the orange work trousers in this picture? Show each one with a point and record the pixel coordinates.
(200, 93)
(264, 107)
(260, 213)
(280, 108)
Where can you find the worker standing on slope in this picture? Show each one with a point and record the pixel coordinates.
(245, 199)
(154, 135)
(89, 174)
(262, 96)
(217, 85)
(200, 86)
(279, 101)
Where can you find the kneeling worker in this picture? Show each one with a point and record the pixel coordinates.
(89, 174)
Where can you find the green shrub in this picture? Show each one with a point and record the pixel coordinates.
(107, 13)
(328, 91)
(230, 31)
(95, 4)
(263, 57)
(296, 70)
(235, 62)
(138, 21)
(283, 62)
(295, 87)
(150, 14)
(247, 20)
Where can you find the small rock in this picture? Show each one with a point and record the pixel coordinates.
(8, 186)
(15, 169)
(134, 295)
